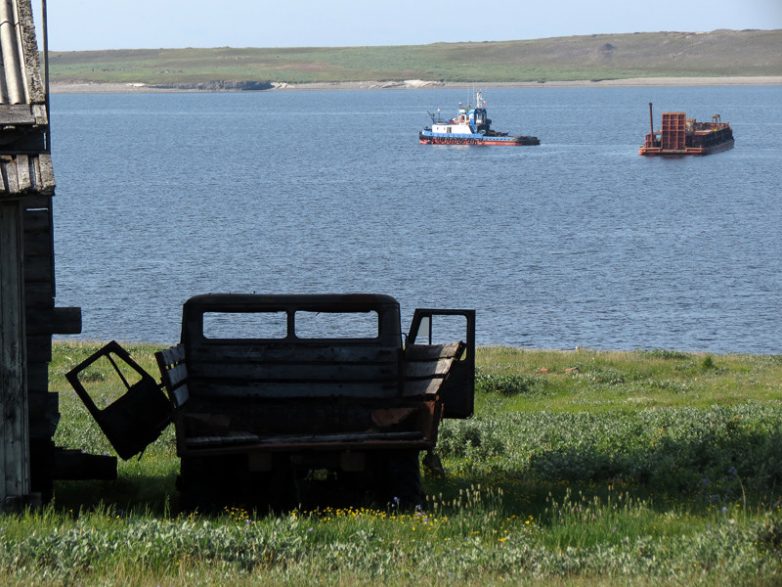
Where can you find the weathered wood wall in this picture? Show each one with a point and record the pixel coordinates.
(14, 439)
(28, 317)
(42, 320)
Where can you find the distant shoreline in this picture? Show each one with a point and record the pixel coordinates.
(128, 88)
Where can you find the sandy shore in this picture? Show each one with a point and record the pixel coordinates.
(74, 88)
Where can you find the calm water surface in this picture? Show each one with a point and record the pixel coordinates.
(577, 242)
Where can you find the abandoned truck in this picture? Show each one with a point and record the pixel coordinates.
(282, 399)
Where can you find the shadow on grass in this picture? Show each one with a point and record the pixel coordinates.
(155, 494)
(707, 468)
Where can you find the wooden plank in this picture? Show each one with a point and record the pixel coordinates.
(42, 402)
(44, 415)
(74, 464)
(39, 113)
(200, 388)
(417, 387)
(37, 201)
(180, 395)
(37, 269)
(175, 376)
(12, 114)
(37, 170)
(297, 354)
(173, 369)
(36, 246)
(10, 174)
(39, 348)
(37, 377)
(14, 437)
(427, 369)
(291, 372)
(63, 320)
(67, 320)
(426, 352)
(43, 428)
(38, 296)
(23, 173)
(171, 356)
(46, 185)
(36, 220)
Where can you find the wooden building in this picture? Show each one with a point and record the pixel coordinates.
(29, 413)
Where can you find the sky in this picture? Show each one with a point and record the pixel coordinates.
(76, 25)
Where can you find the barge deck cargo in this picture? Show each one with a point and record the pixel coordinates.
(686, 136)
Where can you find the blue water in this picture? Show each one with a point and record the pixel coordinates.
(577, 242)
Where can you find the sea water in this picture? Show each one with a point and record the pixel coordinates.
(576, 242)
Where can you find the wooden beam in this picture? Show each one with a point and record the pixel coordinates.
(36, 220)
(74, 464)
(13, 114)
(37, 378)
(54, 321)
(38, 269)
(39, 295)
(39, 348)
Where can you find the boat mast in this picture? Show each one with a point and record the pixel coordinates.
(651, 120)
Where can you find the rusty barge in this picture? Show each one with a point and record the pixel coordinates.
(686, 136)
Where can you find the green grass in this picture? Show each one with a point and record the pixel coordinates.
(610, 381)
(592, 57)
(579, 468)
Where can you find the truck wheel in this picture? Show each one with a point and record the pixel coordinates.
(208, 483)
(403, 475)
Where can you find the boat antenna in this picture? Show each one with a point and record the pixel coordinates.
(651, 119)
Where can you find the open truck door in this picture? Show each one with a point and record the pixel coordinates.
(134, 419)
(435, 329)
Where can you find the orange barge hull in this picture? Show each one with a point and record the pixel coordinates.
(659, 151)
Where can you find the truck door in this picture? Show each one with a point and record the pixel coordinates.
(434, 327)
(133, 419)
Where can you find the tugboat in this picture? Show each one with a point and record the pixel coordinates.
(471, 126)
(686, 136)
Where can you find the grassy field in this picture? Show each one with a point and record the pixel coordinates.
(593, 57)
(579, 468)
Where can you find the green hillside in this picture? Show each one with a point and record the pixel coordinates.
(610, 56)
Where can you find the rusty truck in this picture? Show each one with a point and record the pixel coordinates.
(286, 399)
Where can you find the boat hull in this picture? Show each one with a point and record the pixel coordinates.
(700, 150)
(480, 141)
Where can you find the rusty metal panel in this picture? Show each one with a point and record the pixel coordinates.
(674, 131)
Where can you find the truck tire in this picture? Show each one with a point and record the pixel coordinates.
(402, 478)
(209, 483)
